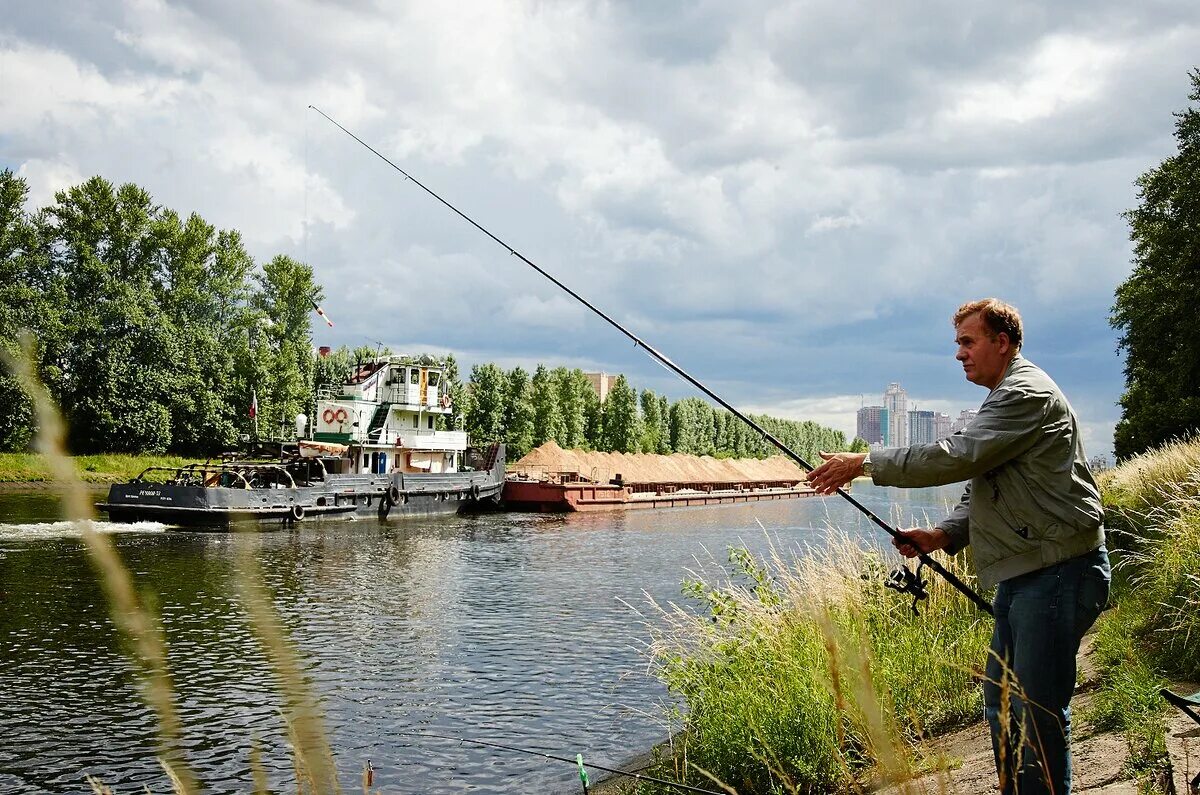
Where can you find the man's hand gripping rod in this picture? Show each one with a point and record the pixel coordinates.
(924, 557)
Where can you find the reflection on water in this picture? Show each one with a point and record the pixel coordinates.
(513, 628)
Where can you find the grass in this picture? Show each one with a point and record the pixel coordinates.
(1152, 504)
(807, 675)
(106, 468)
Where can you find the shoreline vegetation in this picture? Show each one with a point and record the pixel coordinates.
(30, 470)
(803, 674)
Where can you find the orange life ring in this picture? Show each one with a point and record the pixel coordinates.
(327, 415)
(341, 415)
(445, 401)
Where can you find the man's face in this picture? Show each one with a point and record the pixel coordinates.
(984, 357)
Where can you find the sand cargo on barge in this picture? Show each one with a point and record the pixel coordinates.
(551, 480)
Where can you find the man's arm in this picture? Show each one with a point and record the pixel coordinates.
(1008, 424)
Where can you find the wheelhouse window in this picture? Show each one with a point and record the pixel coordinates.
(414, 376)
(433, 378)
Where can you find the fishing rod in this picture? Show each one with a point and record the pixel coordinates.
(911, 585)
(578, 761)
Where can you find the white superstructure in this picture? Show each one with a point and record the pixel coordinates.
(388, 413)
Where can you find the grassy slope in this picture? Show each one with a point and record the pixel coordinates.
(807, 676)
(1153, 633)
(30, 468)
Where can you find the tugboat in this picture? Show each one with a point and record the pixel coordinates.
(375, 449)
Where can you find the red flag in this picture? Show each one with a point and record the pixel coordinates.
(321, 312)
(253, 404)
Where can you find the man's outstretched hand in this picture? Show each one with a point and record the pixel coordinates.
(838, 470)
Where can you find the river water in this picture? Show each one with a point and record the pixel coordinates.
(522, 629)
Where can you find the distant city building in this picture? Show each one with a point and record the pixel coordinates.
(871, 424)
(922, 429)
(895, 400)
(964, 419)
(943, 425)
(601, 383)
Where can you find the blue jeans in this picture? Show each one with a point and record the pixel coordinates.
(1040, 620)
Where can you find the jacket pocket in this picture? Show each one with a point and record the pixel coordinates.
(1014, 503)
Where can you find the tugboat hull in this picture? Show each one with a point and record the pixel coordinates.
(383, 496)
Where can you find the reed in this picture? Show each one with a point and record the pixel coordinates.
(1153, 509)
(805, 674)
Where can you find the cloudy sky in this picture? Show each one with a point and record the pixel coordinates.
(789, 199)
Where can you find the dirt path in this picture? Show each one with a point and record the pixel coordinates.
(1098, 758)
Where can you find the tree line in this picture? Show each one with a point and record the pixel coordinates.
(560, 405)
(155, 333)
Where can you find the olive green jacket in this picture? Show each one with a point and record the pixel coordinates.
(1031, 501)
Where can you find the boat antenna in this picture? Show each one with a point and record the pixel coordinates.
(924, 557)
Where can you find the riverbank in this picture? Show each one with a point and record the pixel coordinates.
(799, 677)
(27, 471)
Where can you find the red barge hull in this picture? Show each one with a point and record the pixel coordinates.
(543, 496)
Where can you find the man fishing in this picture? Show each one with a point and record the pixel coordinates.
(1031, 513)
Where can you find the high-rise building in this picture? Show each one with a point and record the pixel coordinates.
(921, 427)
(895, 400)
(602, 383)
(942, 425)
(869, 428)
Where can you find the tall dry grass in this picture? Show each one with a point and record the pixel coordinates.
(807, 675)
(1152, 506)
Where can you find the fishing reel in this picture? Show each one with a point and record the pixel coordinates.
(905, 580)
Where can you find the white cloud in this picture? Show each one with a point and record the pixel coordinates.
(45, 178)
(1063, 71)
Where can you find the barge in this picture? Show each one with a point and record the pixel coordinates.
(377, 447)
(553, 480)
(572, 494)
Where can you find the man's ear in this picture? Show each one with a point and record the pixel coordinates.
(1007, 344)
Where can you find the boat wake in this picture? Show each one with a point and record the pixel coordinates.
(69, 529)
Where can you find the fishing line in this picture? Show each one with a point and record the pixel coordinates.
(576, 761)
(923, 557)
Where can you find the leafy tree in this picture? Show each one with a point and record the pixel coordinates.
(331, 371)
(1153, 308)
(683, 427)
(652, 422)
(283, 341)
(518, 414)
(202, 290)
(25, 281)
(622, 425)
(593, 412)
(547, 420)
(664, 426)
(573, 387)
(859, 445)
(485, 415)
(116, 374)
